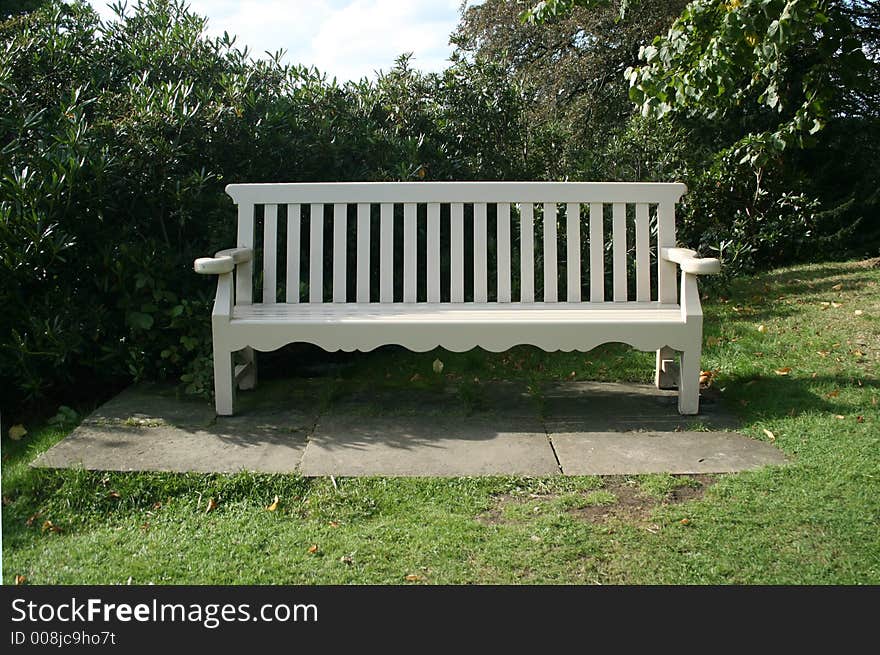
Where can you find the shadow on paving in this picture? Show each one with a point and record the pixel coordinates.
(321, 426)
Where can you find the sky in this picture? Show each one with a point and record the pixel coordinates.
(346, 39)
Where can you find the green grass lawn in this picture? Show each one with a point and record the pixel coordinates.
(794, 353)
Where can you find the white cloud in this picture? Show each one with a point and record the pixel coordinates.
(348, 39)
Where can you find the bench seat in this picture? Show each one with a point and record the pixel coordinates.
(424, 326)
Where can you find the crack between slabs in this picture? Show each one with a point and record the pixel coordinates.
(553, 449)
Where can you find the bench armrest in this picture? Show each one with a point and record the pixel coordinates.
(690, 262)
(224, 261)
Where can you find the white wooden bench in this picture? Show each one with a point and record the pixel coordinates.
(355, 277)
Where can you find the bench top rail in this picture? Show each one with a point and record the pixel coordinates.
(464, 192)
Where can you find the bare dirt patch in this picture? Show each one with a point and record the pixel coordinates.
(632, 503)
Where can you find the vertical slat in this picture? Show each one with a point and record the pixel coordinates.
(597, 254)
(643, 255)
(666, 270)
(316, 253)
(291, 293)
(550, 266)
(503, 240)
(481, 255)
(573, 250)
(433, 252)
(244, 277)
(270, 253)
(527, 252)
(386, 252)
(363, 252)
(618, 251)
(456, 231)
(409, 252)
(340, 230)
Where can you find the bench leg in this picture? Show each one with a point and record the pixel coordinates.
(224, 382)
(689, 381)
(665, 372)
(249, 378)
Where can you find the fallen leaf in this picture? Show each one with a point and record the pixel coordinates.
(20, 579)
(313, 549)
(535, 538)
(839, 417)
(412, 577)
(685, 521)
(437, 366)
(32, 518)
(858, 312)
(346, 559)
(212, 505)
(713, 341)
(837, 287)
(823, 353)
(835, 305)
(415, 378)
(770, 435)
(785, 370)
(274, 505)
(333, 524)
(860, 419)
(706, 378)
(16, 432)
(832, 394)
(51, 527)
(762, 329)
(114, 494)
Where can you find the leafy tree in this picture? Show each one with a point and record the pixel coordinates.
(570, 67)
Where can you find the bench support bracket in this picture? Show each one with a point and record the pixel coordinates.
(666, 371)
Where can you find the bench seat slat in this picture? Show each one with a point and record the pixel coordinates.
(573, 251)
(292, 277)
(456, 230)
(410, 256)
(386, 252)
(550, 266)
(433, 252)
(270, 253)
(643, 253)
(480, 255)
(316, 253)
(340, 225)
(527, 252)
(363, 252)
(483, 313)
(618, 250)
(503, 240)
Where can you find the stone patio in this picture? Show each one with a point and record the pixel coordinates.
(500, 428)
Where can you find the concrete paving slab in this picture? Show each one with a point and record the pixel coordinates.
(616, 453)
(503, 398)
(148, 427)
(441, 446)
(611, 407)
(152, 405)
(170, 448)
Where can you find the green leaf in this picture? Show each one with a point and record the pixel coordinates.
(139, 320)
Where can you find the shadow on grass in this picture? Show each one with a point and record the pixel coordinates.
(789, 397)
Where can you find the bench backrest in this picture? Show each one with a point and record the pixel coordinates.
(457, 241)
